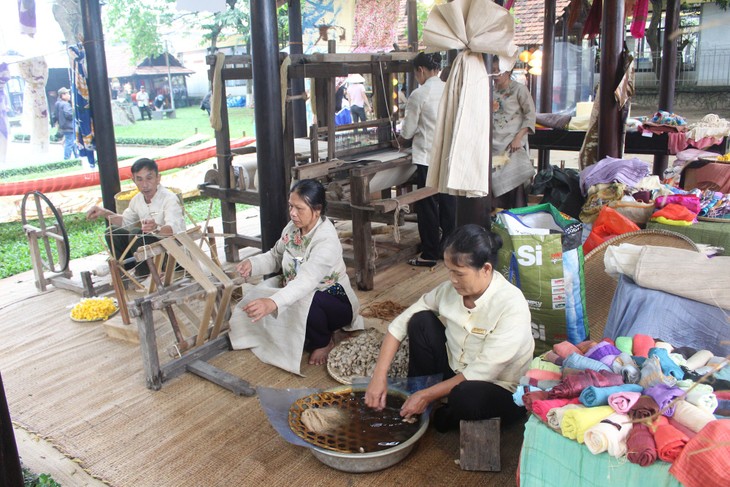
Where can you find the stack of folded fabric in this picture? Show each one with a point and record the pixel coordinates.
(636, 397)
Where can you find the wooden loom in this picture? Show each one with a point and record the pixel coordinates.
(209, 283)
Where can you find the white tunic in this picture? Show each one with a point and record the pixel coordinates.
(165, 208)
(308, 264)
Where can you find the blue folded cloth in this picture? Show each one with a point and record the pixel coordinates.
(598, 396)
(669, 366)
(578, 361)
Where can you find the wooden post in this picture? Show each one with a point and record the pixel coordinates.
(11, 473)
(148, 344)
(412, 22)
(479, 445)
(100, 99)
(546, 81)
(269, 127)
(362, 237)
(298, 106)
(668, 74)
(610, 123)
(331, 88)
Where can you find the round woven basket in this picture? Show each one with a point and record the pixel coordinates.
(600, 287)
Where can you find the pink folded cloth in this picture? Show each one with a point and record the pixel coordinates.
(565, 348)
(642, 344)
(543, 407)
(543, 374)
(621, 402)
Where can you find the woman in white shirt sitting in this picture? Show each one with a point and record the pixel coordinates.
(474, 329)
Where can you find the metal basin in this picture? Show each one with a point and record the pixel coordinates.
(373, 461)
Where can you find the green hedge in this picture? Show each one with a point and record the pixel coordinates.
(51, 166)
(120, 140)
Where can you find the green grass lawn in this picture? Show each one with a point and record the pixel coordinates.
(187, 122)
(85, 237)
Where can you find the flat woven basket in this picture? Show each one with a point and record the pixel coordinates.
(600, 287)
(346, 443)
(356, 357)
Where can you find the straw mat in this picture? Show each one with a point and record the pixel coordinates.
(600, 287)
(85, 393)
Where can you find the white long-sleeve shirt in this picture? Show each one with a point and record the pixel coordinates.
(419, 123)
(491, 342)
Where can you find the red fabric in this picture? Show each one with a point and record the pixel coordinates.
(645, 407)
(705, 460)
(669, 440)
(642, 344)
(686, 431)
(723, 395)
(529, 397)
(677, 142)
(592, 27)
(689, 201)
(610, 223)
(674, 211)
(565, 348)
(538, 374)
(638, 24)
(542, 407)
(641, 446)
(572, 385)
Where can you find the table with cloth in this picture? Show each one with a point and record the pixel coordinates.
(703, 232)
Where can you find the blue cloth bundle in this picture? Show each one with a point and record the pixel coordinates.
(669, 367)
(578, 361)
(598, 396)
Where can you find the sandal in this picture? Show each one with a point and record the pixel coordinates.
(417, 262)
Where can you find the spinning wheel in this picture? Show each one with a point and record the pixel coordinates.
(49, 247)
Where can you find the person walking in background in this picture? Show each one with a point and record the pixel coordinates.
(143, 103)
(358, 98)
(205, 104)
(435, 212)
(64, 117)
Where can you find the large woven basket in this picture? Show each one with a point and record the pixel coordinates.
(600, 287)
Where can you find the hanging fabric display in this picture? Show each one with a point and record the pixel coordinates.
(35, 106)
(83, 119)
(459, 163)
(638, 24)
(26, 14)
(4, 105)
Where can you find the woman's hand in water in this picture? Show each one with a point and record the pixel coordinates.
(415, 404)
(376, 393)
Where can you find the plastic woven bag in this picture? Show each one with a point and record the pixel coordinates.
(542, 255)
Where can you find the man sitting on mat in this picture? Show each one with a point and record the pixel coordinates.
(153, 213)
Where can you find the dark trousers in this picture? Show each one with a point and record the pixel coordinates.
(358, 115)
(120, 237)
(327, 314)
(470, 400)
(436, 218)
(143, 110)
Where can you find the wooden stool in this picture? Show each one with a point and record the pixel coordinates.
(479, 446)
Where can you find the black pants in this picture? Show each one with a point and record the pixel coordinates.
(121, 237)
(327, 314)
(143, 110)
(470, 400)
(436, 218)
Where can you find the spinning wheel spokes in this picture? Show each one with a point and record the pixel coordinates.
(51, 239)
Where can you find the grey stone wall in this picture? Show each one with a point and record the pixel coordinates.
(709, 100)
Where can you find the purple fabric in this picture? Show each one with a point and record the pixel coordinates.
(663, 395)
(610, 169)
(26, 14)
(608, 360)
(600, 350)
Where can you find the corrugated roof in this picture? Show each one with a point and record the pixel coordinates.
(118, 64)
(529, 20)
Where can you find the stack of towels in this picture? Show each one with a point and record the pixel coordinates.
(635, 397)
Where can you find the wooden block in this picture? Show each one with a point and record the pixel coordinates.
(479, 446)
(115, 328)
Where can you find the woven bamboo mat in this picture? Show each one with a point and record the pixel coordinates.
(85, 393)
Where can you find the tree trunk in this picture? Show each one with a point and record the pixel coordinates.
(68, 15)
(652, 36)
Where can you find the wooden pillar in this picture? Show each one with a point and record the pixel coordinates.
(610, 124)
(10, 472)
(100, 101)
(546, 81)
(269, 128)
(412, 19)
(299, 107)
(668, 73)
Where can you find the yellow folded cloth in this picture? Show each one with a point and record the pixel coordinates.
(577, 421)
(540, 364)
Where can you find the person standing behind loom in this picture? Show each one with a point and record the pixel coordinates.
(475, 330)
(312, 298)
(153, 213)
(514, 118)
(436, 212)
